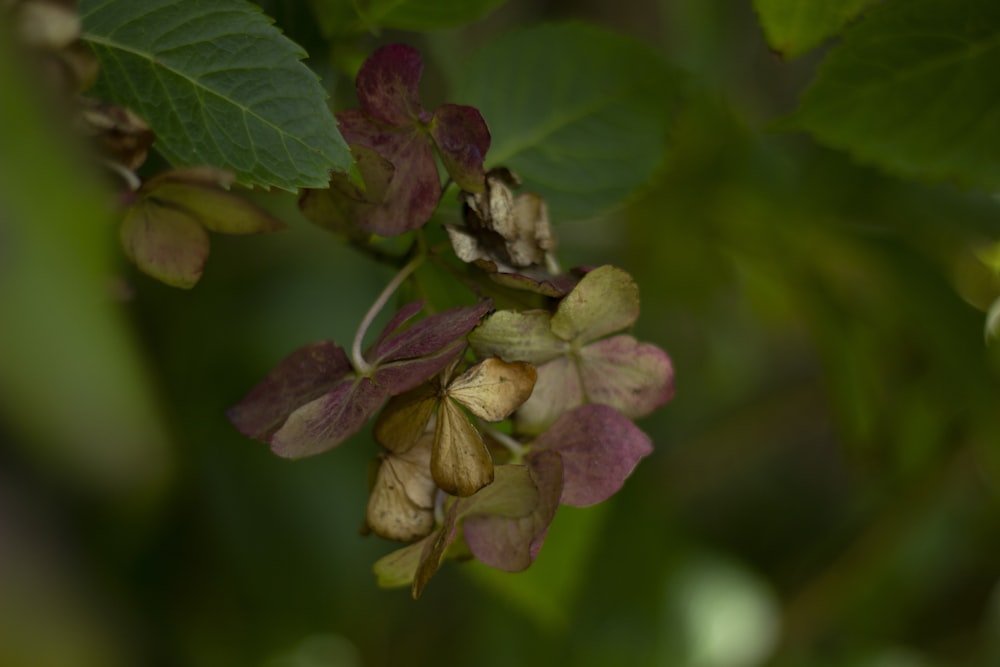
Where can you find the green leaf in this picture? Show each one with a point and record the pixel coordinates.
(793, 27)
(910, 89)
(220, 86)
(581, 114)
(428, 14)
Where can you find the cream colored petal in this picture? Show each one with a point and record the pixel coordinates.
(493, 388)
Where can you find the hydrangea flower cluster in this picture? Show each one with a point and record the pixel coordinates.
(487, 419)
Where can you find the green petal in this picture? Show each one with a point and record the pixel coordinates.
(515, 336)
(605, 301)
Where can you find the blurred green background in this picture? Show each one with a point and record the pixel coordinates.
(824, 486)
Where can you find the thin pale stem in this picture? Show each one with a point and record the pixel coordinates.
(126, 174)
(357, 359)
(515, 448)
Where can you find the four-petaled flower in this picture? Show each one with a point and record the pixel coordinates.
(393, 139)
(576, 362)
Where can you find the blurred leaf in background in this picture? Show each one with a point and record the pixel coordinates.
(811, 236)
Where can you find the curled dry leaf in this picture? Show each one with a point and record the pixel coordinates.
(509, 236)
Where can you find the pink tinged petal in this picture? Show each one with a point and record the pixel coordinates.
(387, 85)
(429, 335)
(339, 207)
(462, 139)
(409, 197)
(599, 446)
(514, 336)
(165, 243)
(634, 378)
(329, 420)
(557, 391)
(605, 300)
(512, 545)
(300, 378)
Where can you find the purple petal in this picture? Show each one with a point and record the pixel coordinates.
(406, 374)
(547, 285)
(512, 545)
(342, 205)
(411, 194)
(329, 420)
(402, 316)
(387, 85)
(430, 335)
(462, 139)
(300, 378)
(557, 390)
(633, 377)
(599, 446)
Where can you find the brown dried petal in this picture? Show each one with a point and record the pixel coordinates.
(406, 418)
(401, 504)
(512, 231)
(460, 463)
(493, 388)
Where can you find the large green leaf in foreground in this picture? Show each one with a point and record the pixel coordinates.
(914, 89)
(580, 113)
(219, 85)
(794, 27)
